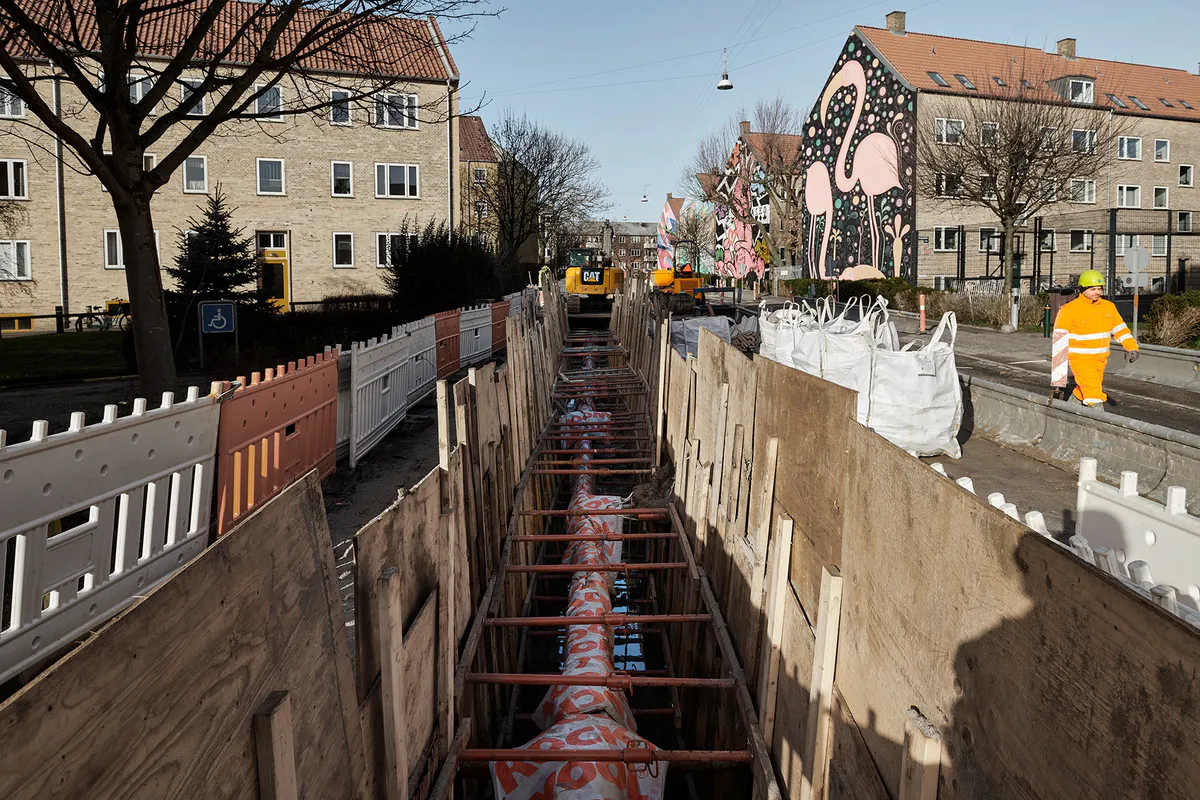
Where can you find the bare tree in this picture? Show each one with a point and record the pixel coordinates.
(764, 188)
(146, 72)
(695, 239)
(1015, 149)
(545, 182)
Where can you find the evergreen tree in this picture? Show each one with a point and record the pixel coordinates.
(215, 261)
(436, 268)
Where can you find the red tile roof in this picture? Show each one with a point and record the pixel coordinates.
(915, 55)
(474, 144)
(709, 181)
(392, 46)
(785, 146)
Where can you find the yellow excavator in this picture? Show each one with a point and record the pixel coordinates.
(679, 285)
(591, 279)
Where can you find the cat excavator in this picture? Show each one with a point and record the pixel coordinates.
(591, 279)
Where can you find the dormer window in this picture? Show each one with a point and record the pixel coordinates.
(1083, 91)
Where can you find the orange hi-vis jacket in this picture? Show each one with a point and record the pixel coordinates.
(1090, 326)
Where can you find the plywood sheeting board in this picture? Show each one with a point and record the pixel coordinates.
(160, 704)
(1045, 678)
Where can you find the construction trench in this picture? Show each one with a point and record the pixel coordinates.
(771, 601)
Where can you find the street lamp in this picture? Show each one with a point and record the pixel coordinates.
(725, 84)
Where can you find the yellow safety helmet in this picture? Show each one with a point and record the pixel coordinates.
(1090, 278)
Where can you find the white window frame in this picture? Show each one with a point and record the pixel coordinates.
(1050, 138)
(333, 192)
(1089, 238)
(1179, 222)
(7, 165)
(140, 84)
(479, 175)
(151, 157)
(13, 102)
(941, 127)
(406, 195)
(334, 254)
(1088, 96)
(258, 111)
(385, 262)
(121, 248)
(1088, 184)
(282, 178)
(1053, 248)
(942, 188)
(1166, 196)
(1124, 242)
(349, 109)
(993, 194)
(940, 233)
(990, 244)
(1090, 139)
(986, 126)
(480, 209)
(1155, 250)
(1123, 190)
(194, 83)
(15, 245)
(1123, 143)
(1191, 171)
(183, 173)
(1166, 160)
(409, 121)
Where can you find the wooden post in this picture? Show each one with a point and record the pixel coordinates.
(768, 684)
(660, 421)
(275, 749)
(718, 454)
(391, 657)
(921, 760)
(443, 423)
(820, 693)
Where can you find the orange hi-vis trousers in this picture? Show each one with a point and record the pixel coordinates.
(1090, 326)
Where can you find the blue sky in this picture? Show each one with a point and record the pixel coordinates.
(584, 68)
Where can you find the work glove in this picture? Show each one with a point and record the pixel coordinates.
(1131, 356)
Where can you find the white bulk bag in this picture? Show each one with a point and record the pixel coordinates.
(768, 331)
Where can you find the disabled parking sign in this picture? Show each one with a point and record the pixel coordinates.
(218, 317)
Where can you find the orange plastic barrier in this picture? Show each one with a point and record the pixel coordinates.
(446, 332)
(499, 314)
(272, 431)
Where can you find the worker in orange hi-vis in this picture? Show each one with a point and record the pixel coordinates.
(1089, 322)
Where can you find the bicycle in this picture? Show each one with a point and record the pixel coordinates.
(115, 313)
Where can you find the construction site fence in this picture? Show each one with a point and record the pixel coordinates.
(121, 504)
(251, 637)
(899, 634)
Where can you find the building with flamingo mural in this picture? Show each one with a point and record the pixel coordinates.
(863, 215)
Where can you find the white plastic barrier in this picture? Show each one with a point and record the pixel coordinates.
(514, 303)
(475, 334)
(343, 404)
(1155, 546)
(99, 514)
(422, 368)
(378, 391)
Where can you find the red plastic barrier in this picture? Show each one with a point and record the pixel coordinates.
(499, 314)
(446, 332)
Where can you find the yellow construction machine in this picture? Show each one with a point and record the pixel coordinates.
(680, 285)
(591, 279)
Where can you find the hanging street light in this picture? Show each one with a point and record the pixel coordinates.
(725, 84)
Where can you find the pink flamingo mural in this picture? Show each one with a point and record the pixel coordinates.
(818, 201)
(876, 158)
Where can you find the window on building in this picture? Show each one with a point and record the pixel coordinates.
(945, 239)
(987, 187)
(622, 239)
(1049, 138)
(396, 111)
(1125, 242)
(1162, 150)
(1183, 222)
(343, 250)
(1158, 245)
(1137, 102)
(964, 81)
(481, 209)
(269, 105)
(1083, 91)
(114, 252)
(12, 179)
(341, 175)
(1185, 104)
(397, 180)
(1187, 175)
(1025, 82)
(270, 176)
(1083, 141)
(339, 109)
(387, 247)
(999, 81)
(149, 162)
(623, 253)
(480, 175)
(11, 106)
(1129, 196)
(1129, 148)
(989, 134)
(1116, 101)
(1161, 197)
(1081, 240)
(948, 131)
(1049, 190)
(938, 79)
(1083, 191)
(637, 252)
(195, 175)
(1163, 100)
(1048, 242)
(14, 261)
(190, 97)
(989, 240)
(947, 185)
(139, 87)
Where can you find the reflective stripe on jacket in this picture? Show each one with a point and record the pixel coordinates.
(1091, 326)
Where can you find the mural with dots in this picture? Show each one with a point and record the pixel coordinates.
(859, 172)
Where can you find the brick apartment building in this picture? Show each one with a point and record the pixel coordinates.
(887, 78)
(322, 197)
(634, 244)
(479, 168)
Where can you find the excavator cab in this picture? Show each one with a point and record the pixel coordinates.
(590, 279)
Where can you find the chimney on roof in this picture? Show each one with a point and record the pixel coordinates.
(1066, 48)
(895, 22)
(670, 196)
(744, 127)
